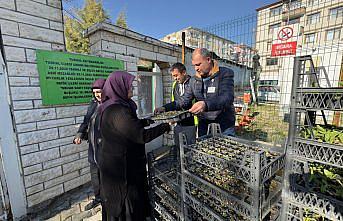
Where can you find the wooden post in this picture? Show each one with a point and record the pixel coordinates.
(183, 47)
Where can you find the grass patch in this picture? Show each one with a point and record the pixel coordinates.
(267, 125)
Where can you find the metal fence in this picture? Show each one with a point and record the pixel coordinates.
(261, 48)
(269, 45)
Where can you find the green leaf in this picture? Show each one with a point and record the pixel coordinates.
(329, 174)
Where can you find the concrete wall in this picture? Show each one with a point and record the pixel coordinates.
(111, 41)
(48, 164)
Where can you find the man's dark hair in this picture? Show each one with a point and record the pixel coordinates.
(179, 66)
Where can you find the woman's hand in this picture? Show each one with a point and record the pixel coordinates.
(77, 140)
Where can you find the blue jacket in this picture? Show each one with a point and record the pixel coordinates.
(218, 93)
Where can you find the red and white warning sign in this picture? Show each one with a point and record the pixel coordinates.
(283, 49)
(285, 41)
(285, 33)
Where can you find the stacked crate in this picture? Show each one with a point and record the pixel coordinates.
(313, 186)
(164, 180)
(225, 178)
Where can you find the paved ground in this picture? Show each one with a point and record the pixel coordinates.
(69, 207)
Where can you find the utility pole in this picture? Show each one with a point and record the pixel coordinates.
(183, 36)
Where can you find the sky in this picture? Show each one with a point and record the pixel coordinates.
(157, 18)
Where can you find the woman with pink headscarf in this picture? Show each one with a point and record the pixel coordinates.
(121, 157)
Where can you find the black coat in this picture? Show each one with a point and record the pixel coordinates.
(83, 131)
(218, 95)
(122, 161)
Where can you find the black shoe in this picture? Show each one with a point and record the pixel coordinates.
(92, 204)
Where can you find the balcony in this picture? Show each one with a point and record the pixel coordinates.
(288, 14)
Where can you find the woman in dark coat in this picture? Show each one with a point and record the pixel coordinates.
(121, 157)
(88, 132)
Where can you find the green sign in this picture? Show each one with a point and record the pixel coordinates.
(66, 78)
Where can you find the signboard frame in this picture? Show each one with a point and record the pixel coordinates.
(66, 78)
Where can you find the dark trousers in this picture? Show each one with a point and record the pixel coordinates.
(95, 179)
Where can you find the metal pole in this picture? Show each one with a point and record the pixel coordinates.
(183, 47)
(298, 61)
(337, 115)
(183, 143)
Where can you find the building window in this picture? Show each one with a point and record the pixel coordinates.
(274, 26)
(269, 46)
(293, 21)
(275, 11)
(294, 4)
(313, 2)
(310, 38)
(314, 18)
(333, 34)
(271, 61)
(269, 82)
(194, 35)
(336, 13)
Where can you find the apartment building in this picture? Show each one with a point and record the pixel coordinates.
(222, 47)
(291, 28)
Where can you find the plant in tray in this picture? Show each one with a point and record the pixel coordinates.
(311, 216)
(223, 179)
(167, 115)
(170, 209)
(220, 207)
(169, 190)
(230, 150)
(331, 135)
(324, 179)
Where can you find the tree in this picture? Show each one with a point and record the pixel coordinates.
(121, 20)
(90, 14)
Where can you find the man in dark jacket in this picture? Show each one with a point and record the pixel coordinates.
(213, 89)
(88, 131)
(179, 86)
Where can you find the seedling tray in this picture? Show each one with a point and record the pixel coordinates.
(175, 116)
